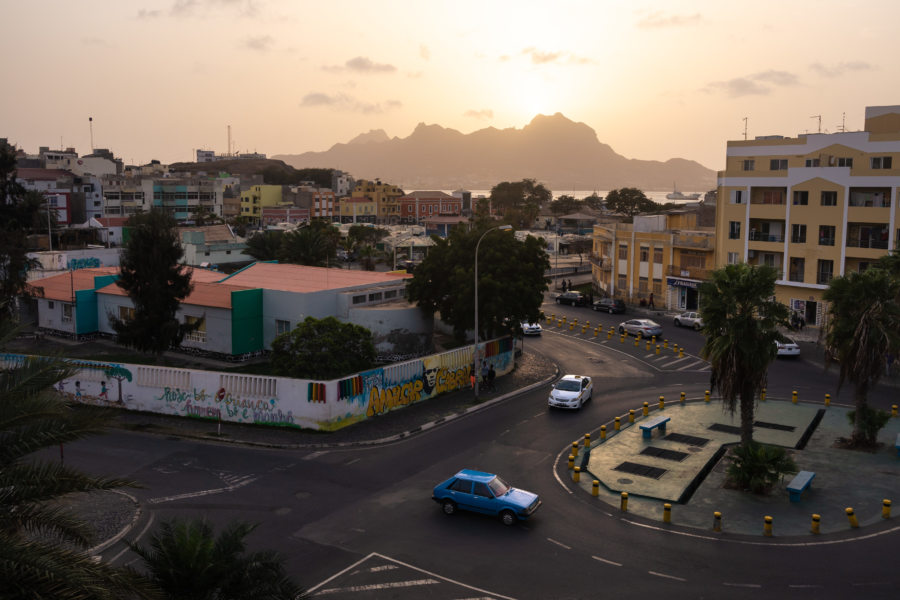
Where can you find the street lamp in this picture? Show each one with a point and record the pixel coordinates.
(476, 355)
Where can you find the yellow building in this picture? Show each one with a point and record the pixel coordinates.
(668, 255)
(357, 210)
(256, 197)
(384, 195)
(815, 206)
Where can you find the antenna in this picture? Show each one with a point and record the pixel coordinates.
(819, 117)
(843, 122)
(91, 125)
(745, 128)
(228, 152)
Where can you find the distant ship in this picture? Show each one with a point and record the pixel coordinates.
(676, 195)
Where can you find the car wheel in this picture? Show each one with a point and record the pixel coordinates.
(449, 507)
(621, 330)
(677, 323)
(596, 308)
(558, 301)
(508, 517)
(696, 326)
(610, 310)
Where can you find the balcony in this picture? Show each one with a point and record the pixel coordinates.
(693, 241)
(601, 262)
(759, 236)
(688, 272)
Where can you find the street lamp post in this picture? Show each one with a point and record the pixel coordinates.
(476, 355)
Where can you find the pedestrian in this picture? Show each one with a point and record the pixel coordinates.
(570, 284)
(650, 304)
(484, 372)
(802, 322)
(491, 375)
(564, 285)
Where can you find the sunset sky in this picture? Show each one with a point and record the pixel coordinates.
(655, 79)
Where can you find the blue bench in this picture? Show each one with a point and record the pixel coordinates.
(647, 427)
(799, 483)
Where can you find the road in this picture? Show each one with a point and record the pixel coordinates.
(359, 522)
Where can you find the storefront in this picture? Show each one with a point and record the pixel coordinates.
(683, 293)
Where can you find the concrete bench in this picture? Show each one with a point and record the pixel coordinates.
(799, 483)
(647, 427)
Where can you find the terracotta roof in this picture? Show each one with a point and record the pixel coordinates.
(43, 174)
(427, 194)
(297, 278)
(212, 233)
(113, 221)
(204, 293)
(62, 287)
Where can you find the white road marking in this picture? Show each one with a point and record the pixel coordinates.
(609, 562)
(664, 576)
(313, 455)
(378, 586)
(244, 481)
(742, 585)
(560, 544)
(113, 560)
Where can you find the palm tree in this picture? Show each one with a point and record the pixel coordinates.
(42, 544)
(863, 329)
(189, 562)
(740, 317)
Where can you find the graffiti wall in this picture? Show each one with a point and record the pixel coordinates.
(277, 401)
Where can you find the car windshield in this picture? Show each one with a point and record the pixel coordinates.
(498, 486)
(568, 385)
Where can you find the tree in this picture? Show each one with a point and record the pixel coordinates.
(594, 201)
(863, 329)
(156, 283)
(565, 205)
(629, 202)
(511, 280)
(519, 202)
(189, 562)
(265, 245)
(42, 545)
(314, 245)
(363, 239)
(740, 318)
(322, 349)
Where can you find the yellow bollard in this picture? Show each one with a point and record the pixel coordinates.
(595, 488)
(588, 323)
(587, 440)
(662, 402)
(893, 410)
(576, 475)
(851, 517)
(574, 321)
(667, 513)
(646, 408)
(885, 509)
(762, 395)
(717, 521)
(794, 396)
(584, 328)
(603, 433)
(623, 338)
(682, 397)
(559, 323)
(648, 344)
(637, 341)
(706, 396)
(574, 449)
(665, 344)
(571, 326)
(571, 461)
(618, 424)
(596, 331)
(657, 349)
(631, 416)
(565, 319)
(827, 399)
(549, 318)
(653, 338)
(814, 528)
(767, 528)
(623, 505)
(675, 348)
(609, 333)
(681, 353)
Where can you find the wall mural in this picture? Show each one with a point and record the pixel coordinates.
(277, 401)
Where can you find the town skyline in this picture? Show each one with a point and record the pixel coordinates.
(160, 80)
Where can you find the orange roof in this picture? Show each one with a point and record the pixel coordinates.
(62, 287)
(298, 278)
(204, 293)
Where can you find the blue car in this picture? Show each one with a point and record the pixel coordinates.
(485, 493)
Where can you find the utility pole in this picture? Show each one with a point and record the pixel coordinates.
(745, 128)
(819, 117)
(91, 126)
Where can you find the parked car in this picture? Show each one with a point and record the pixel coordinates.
(485, 493)
(644, 327)
(572, 391)
(531, 328)
(689, 319)
(573, 298)
(610, 305)
(788, 348)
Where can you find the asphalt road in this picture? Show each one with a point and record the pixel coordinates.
(359, 522)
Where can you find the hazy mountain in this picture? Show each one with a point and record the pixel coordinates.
(561, 154)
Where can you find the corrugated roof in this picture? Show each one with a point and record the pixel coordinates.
(298, 278)
(211, 233)
(216, 295)
(62, 287)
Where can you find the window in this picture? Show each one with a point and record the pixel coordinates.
(198, 334)
(737, 196)
(67, 313)
(825, 272)
(623, 252)
(778, 164)
(826, 235)
(733, 258)
(642, 284)
(748, 165)
(623, 282)
(126, 313)
(375, 297)
(645, 253)
(812, 162)
(361, 299)
(282, 326)
(390, 294)
(734, 230)
(481, 489)
(845, 162)
(796, 269)
(881, 162)
(657, 286)
(461, 485)
(801, 198)
(50, 304)
(768, 259)
(798, 234)
(657, 255)
(829, 198)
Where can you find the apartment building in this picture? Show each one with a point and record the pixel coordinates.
(254, 198)
(814, 206)
(666, 255)
(385, 197)
(416, 207)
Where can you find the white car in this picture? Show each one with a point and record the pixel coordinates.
(788, 348)
(689, 319)
(531, 329)
(645, 327)
(572, 391)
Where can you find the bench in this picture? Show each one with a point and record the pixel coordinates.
(799, 483)
(897, 444)
(647, 427)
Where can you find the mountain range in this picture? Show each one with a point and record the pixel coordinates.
(555, 151)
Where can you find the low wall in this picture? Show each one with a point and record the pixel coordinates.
(276, 401)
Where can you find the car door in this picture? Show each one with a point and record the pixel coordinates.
(460, 491)
(587, 388)
(483, 499)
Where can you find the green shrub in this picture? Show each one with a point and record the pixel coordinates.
(757, 467)
(873, 420)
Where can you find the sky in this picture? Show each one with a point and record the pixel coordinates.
(654, 79)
